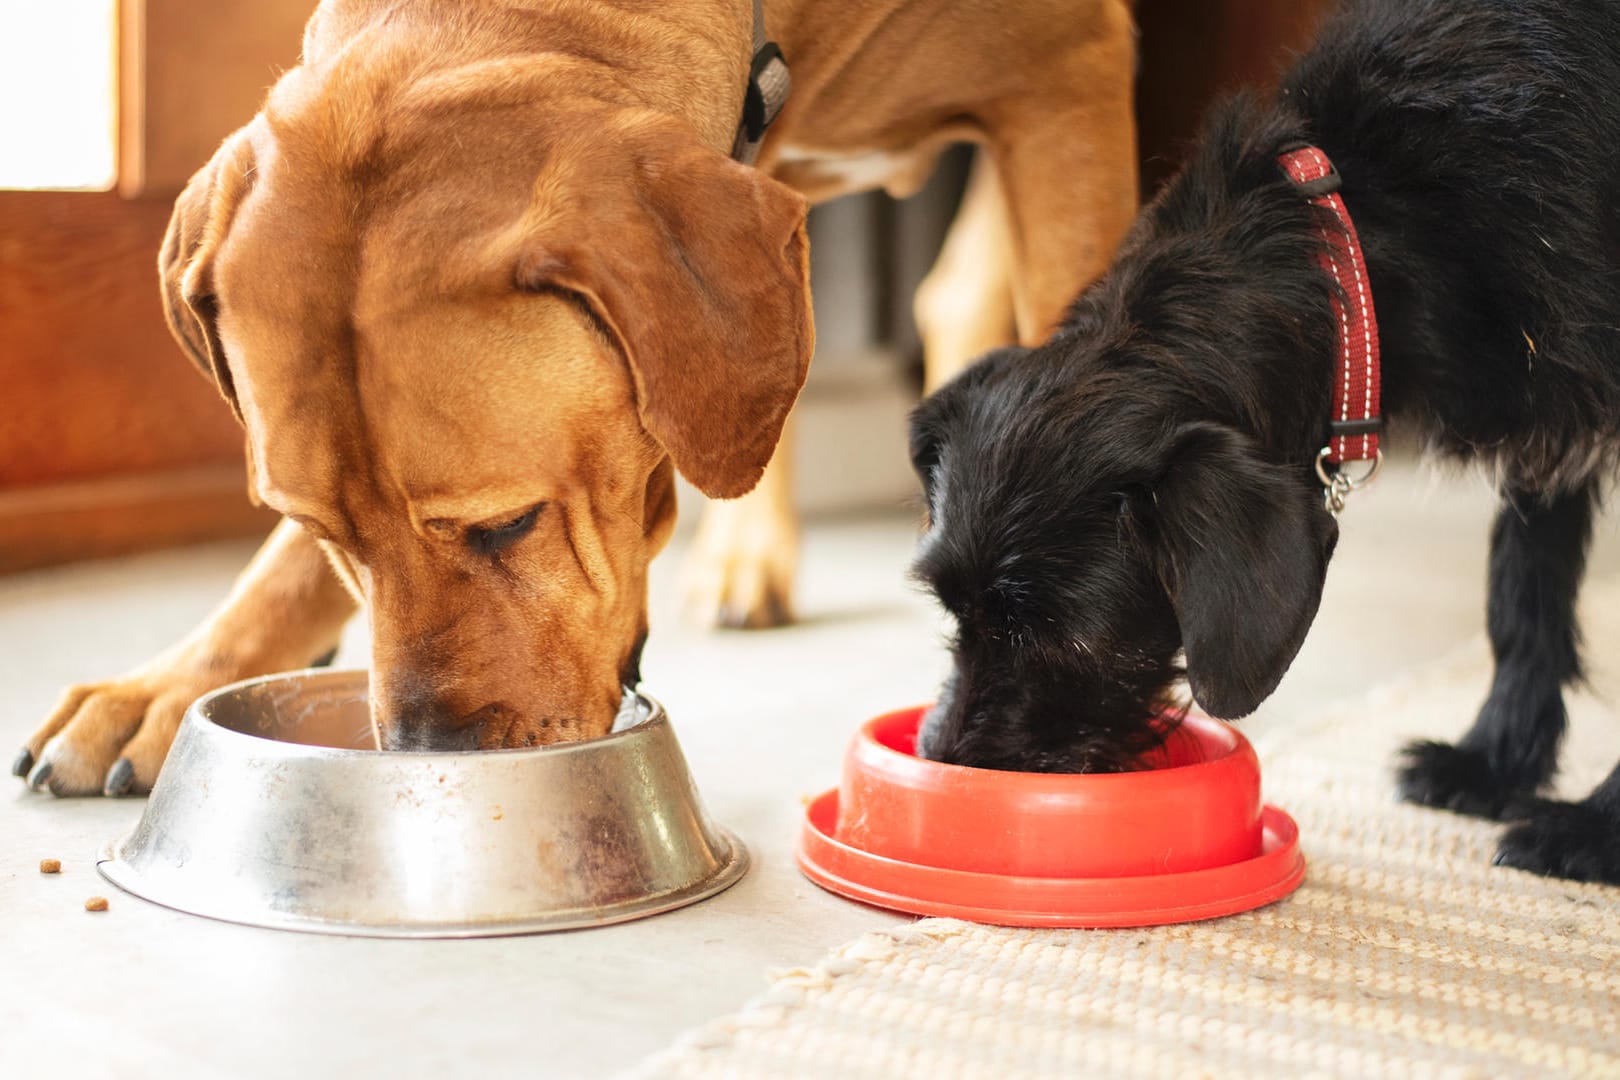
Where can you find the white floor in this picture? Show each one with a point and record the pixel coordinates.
(141, 991)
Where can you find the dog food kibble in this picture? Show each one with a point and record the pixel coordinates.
(50, 866)
(96, 903)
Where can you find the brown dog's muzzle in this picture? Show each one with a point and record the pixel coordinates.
(464, 663)
(414, 710)
(410, 714)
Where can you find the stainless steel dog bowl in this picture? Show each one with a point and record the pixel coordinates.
(275, 809)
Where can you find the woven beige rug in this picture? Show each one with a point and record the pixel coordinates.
(1404, 954)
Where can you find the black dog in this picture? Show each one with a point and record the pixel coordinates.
(1144, 484)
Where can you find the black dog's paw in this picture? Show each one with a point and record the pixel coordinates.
(1565, 840)
(1449, 777)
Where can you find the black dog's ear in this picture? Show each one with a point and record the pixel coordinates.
(1243, 552)
(925, 441)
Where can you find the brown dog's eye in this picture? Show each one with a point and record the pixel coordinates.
(493, 539)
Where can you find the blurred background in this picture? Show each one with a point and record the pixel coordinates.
(110, 442)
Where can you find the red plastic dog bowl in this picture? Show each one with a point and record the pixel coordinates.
(1185, 838)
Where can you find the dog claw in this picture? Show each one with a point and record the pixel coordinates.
(23, 762)
(42, 773)
(120, 778)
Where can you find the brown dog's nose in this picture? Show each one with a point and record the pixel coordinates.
(419, 730)
(411, 716)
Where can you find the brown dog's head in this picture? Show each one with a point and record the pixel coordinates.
(469, 330)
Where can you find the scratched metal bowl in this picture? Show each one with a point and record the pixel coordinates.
(275, 809)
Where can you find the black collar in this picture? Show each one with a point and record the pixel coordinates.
(768, 86)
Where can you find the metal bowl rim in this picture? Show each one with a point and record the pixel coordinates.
(111, 866)
(657, 717)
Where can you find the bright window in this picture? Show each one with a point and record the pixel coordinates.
(58, 115)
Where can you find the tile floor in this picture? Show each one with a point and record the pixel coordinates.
(142, 991)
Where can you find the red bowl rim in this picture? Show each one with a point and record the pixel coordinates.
(1155, 900)
(1234, 744)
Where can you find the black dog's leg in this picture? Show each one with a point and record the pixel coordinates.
(1538, 553)
(1570, 840)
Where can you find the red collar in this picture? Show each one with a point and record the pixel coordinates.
(1354, 426)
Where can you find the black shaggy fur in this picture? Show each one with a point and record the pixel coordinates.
(1141, 487)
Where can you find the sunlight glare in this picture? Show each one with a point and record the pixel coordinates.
(57, 96)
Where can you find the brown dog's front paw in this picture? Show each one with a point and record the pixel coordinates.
(105, 738)
(739, 573)
(110, 738)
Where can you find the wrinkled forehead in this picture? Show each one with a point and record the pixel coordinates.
(460, 394)
(356, 369)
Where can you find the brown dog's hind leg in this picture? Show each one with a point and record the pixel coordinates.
(1067, 165)
(287, 609)
(739, 573)
(964, 307)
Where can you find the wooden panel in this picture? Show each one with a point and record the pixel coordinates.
(94, 383)
(59, 523)
(190, 73)
(1195, 50)
(111, 440)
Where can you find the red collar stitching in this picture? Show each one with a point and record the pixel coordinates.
(1355, 423)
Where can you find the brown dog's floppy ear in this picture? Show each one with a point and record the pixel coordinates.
(1244, 552)
(699, 267)
(202, 215)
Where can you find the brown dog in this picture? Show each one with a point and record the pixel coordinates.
(479, 278)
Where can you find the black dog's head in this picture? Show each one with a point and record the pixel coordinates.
(1087, 525)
